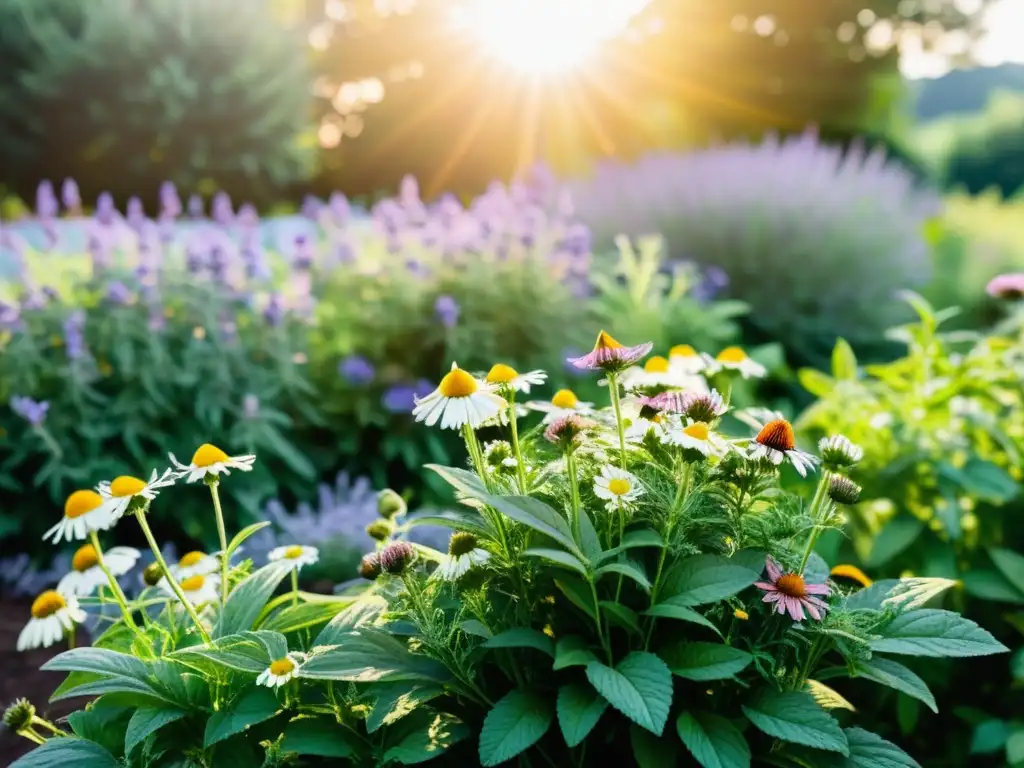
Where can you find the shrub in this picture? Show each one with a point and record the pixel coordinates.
(815, 241)
(628, 573)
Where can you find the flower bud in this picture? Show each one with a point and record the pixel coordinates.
(396, 557)
(369, 566)
(379, 530)
(839, 452)
(19, 715)
(842, 490)
(390, 504)
(152, 575)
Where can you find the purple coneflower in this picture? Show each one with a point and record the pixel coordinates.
(1008, 286)
(791, 594)
(609, 355)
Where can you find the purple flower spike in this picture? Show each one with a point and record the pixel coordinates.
(30, 410)
(195, 207)
(106, 211)
(609, 355)
(221, 209)
(357, 370)
(118, 293)
(447, 310)
(46, 201)
(69, 195)
(170, 203)
(790, 593)
(74, 335)
(340, 208)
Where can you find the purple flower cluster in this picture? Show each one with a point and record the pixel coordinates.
(357, 370)
(30, 410)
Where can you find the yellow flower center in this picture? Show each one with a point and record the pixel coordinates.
(282, 667)
(293, 552)
(458, 383)
(619, 486)
(792, 585)
(126, 485)
(740, 614)
(656, 364)
(80, 503)
(698, 431)
(85, 558)
(501, 374)
(682, 350)
(777, 434)
(564, 398)
(732, 355)
(193, 583)
(604, 341)
(47, 604)
(191, 558)
(207, 455)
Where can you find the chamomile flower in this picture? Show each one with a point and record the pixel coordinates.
(210, 460)
(195, 564)
(564, 403)
(281, 670)
(686, 360)
(53, 614)
(296, 555)
(119, 493)
(639, 427)
(85, 574)
(611, 356)
(505, 375)
(199, 589)
(776, 443)
(697, 436)
(458, 400)
(84, 512)
(617, 487)
(463, 554)
(656, 372)
(735, 359)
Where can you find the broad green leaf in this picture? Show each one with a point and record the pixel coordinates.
(870, 751)
(578, 592)
(898, 534)
(243, 652)
(589, 541)
(911, 594)
(652, 751)
(982, 479)
(1011, 565)
(99, 661)
(1015, 747)
(247, 600)
(537, 515)
(558, 557)
(103, 723)
(455, 519)
(669, 610)
(113, 685)
(465, 482)
(795, 716)
(361, 613)
(475, 627)
(870, 598)
(644, 537)
(396, 700)
(517, 722)
(254, 706)
(579, 709)
(935, 633)
(990, 584)
(621, 615)
(706, 579)
(429, 739)
(302, 616)
(65, 752)
(147, 720)
(626, 568)
(244, 534)
(815, 382)
(705, 661)
(320, 737)
(828, 698)
(366, 656)
(989, 737)
(572, 651)
(523, 637)
(713, 741)
(895, 675)
(844, 361)
(640, 687)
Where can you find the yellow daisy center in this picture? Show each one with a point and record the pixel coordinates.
(293, 552)
(620, 486)
(193, 583)
(501, 374)
(126, 485)
(698, 431)
(207, 455)
(777, 434)
(85, 558)
(282, 667)
(732, 355)
(191, 558)
(604, 341)
(81, 502)
(458, 383)
(682, 350)
(47, 604)
(792, 585)
(564, 398)
(656, 364)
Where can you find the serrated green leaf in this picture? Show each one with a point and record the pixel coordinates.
(517, 722)
(70, 751)
(148, 720)
(535, 514)
(705, 661)
(319, 737)
(828, 698)
(895, 675)
(579, 708)
(706, 579)
(794, 716)
(572, 651)
(713, 741)
(523, 637)
(367, 656)
(252, 707)
(428, 740)
(393, 701)
(640, 687)
(870, 751)
(935, 633)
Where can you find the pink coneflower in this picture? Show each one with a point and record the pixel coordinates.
(776, 443)
(566, 430)
(673, 401)
(791, 594)
(610, 355)
(1008, 286)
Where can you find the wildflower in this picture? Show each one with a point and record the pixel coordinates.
(458, 400)
(281, 671)
(379, 530)
(640, 427)
(85, 574)
(672, 401)
(19, 715)
(357, 370)
(789, 592)
(447, 310)
(296, 555)
(390, 504)
(686, 360)
(30, 410)
(498, 455)
(210, 460)
(842, 490)
(1009, 286)
(195, 563)
(776, 443)
(53, 614)
(740, 614)
(198, 589)
(853, 573)
(656, 372)
(697, 436)
(735, 359)
(463, 554)
(369, 566)
(562, 404)
(704, 406)
(119, 494)
(609, 355)
(84, 512)
(395, 558)
(839, 452)
(617, 487)
(566, 431)
(504, 375)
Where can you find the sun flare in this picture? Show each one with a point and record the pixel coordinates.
(546, 36)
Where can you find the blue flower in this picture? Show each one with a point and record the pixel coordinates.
(447, 310)
(357, 370)
(401, 398)
(74, 335)
(119, 293)
(31, 411)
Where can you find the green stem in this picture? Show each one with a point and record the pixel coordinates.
(574, 492)
(819, 497)
(36, 720)
(473, 446)
(597, 621)
(613, 390)
(71, 636)
(295, 586)
(171, 581)
(31, 735)
(520, 467)
(46, 437)
(678, 503)
(222, 533)
(119, 596)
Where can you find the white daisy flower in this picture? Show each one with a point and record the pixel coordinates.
(281, 671)
(639, 427)
(656, 372)
(53, 615)
(458, 400)
(199, 589)
(697, 436)
(686, 360)
(562, 404)
(85, 574)
(84, 512)
(195, 564)
(776, 443)
(463, 554)
(210, 460)
(735, 359)
(296, 555)
(119, 494)
(617, 487)
(501, 374)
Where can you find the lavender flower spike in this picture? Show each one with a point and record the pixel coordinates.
(609, 355)
(447, 311)
(30, 410)
(357, 370)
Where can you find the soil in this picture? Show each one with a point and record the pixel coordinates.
(20, 677)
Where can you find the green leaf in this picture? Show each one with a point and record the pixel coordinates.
(628, 569)
(99, 661)
(828, 698)
(990, 584)
(640, 687)
(537, 515)
(244, 652)
(1011, 565)
(844, 361)
(247, 600)
(361, 613)
(622, 615)
(465, 482)
(148, 720)
(989, 737)
(895, 675)
(559, 557)
(320, 737)
(244, 534)
(713, 741)
(254, 706)
(870, 598)
(652, 751)
(302, 616)
(1015, 747)
(705, 661)
(911, 594)
(707, 579)
(935, 633)
(669, 610)
(64, 752)
(578, 592)
(898, 534)
(870, 751)
(396, 700)
(815, 382)
(517, 722)
(523, 637)
(572, 651)
(579, 709)
(794, 716)
(475, 627)
(983, 479)
(589, 542)
(427, 740)
(644, 537)
(455, 519)
(367, 656)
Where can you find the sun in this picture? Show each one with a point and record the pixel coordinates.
(545, 36)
